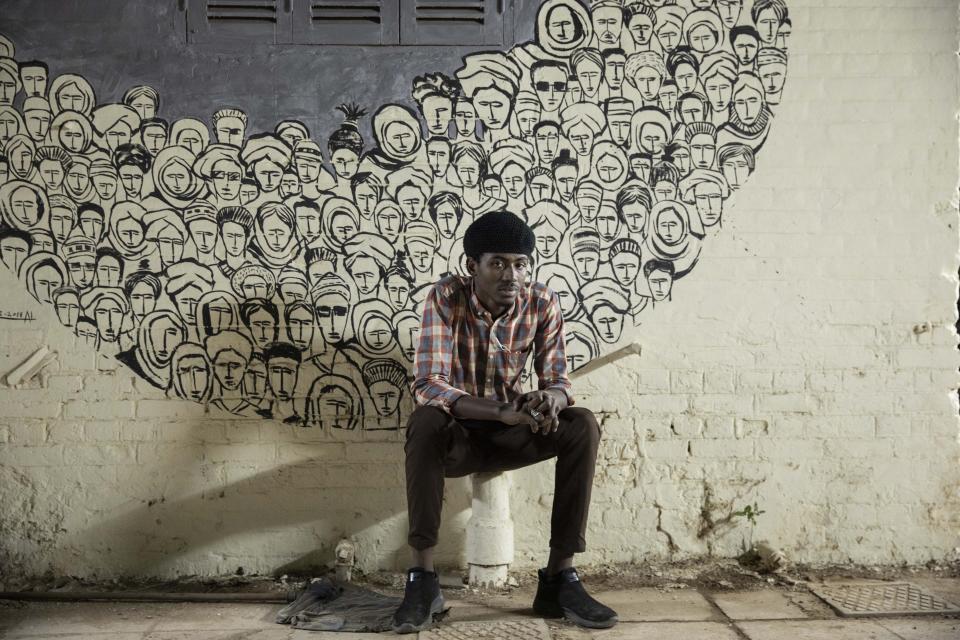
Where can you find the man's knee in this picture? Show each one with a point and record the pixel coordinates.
(426, 423)
(583, 423)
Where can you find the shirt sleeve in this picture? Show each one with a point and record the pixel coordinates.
(432, 362)
(550, 358)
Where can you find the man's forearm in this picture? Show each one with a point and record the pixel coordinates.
(474, 408)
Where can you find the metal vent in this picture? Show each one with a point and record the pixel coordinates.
(455, 11)
(345, 11)
(242, 10)
(882, 599)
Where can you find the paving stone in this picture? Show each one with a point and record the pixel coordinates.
(195, 616)
(922, 629)
(650, 605)
(527, 629)
(225, 634)
(40, 619)
(668, 631)
(757, 605)
(81, 636)
(816, 630)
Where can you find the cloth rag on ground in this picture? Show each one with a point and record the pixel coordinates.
(325, 605)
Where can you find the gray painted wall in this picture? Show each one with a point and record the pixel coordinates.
(116, 44)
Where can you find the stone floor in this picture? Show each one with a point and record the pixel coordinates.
(654, 613)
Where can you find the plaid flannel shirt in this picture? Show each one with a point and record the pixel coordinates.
(463, 350)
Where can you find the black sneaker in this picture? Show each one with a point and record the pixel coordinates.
(563, 596)
(421, 601)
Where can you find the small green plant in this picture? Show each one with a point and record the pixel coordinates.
(750, 513)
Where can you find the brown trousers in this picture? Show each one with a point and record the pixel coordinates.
(439, 446)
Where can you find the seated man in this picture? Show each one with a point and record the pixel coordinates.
(476, 334)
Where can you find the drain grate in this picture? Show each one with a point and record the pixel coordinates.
(503, 630)
(881, 599)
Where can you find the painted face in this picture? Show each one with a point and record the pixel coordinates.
(91, 223)
(386, 397)
(691, 110)
(117, 135)
(547, 243)
(566, 178)
(46, 280)
(746, 47)
(290, 185)
(25, 207)
(588, 204)
(736, 170)
(635, 216)
(248, 193)
(547, 143)
(234, 238)
(225, 177)
(398, 291)
(493, 107)
(191, 140)
(412, 201)
(607, 223)
(773, 75)
(68, 309)
(263, 328)
(465, 118)
(702, 39)
(527, 118)
(608, 322)
(703, 151)
(300, 326)
(51, 172)
(618, 124)
(106, 185)
(648, 80)
(718, 90)
(170, 246)
(607, 23)
(709, 203)
(255, 381)
(42, 241)
(345, 163)
(366, 198)
(408, 335)
(343, 226)
(12, 251)
(564, 291)
(308, 222)
(230, 130)
(366, 274)
(768, 24)
(667, 97)
(729, 11)
(783, 36)
(108, 315)
(447, 220)
(578, 352)
(669, 226)
(660, 283)
(587, 262)
(86, 333)
(204, 235)
(421, 255)
(468, 170)
(540, 188)
(669, 36)
(37, 122)
(108, 272)
(8, 88)
(282, 373)
(307, 168)
(143, 301)
(609, 168)
(131, 177)
(437, 111)
(641, 29)
(686, 77)
(292, 135)
(652, 138)
(186, 302)
(560, 25)
(154, 138)
(438, 157)
(145, 106)
(376, 335)
(72, 136)
(177, 178)
(34, 79)
(332, 312)
(292, 291)
(399, 138)
(550, 84)
(748, 103)
(626, 267)
(221, 315)
(267, 174)
(664, 190)
(388, 222)
(613, 69)
(581, 137)
(193, 374)
(276, 233)
(514, 180)
(229, 367)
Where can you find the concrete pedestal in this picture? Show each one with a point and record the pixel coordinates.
(490, 530)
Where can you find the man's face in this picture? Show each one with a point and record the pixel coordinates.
(607, 22)
(746, 47)
(768, 24)
(230, 130)
(34, 79)
(498, 277)
(709, 203)
(550, 84)
(308, 222)
(660, 283)
(226, 177)
(282, 373)
(108, 272)
(154, 138)
(228, 367)
(641, 29)
(38, 123)
(493, 107)
(703, 151)
(773, 75)
(12, 251)
(613, 66)
(729, 11)
(547, 143)
(437, 111)
(438, 157)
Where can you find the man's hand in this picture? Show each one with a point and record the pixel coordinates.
(543, 407)
(509, 414)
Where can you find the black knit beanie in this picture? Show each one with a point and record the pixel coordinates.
(498, 232)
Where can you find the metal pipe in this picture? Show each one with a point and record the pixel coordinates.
(147, 596)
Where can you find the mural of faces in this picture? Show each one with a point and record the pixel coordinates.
(275, 274)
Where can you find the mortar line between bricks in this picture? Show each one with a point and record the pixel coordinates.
(717, 610)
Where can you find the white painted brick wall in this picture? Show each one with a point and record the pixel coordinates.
(809, 365)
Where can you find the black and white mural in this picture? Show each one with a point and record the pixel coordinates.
(279, 273)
